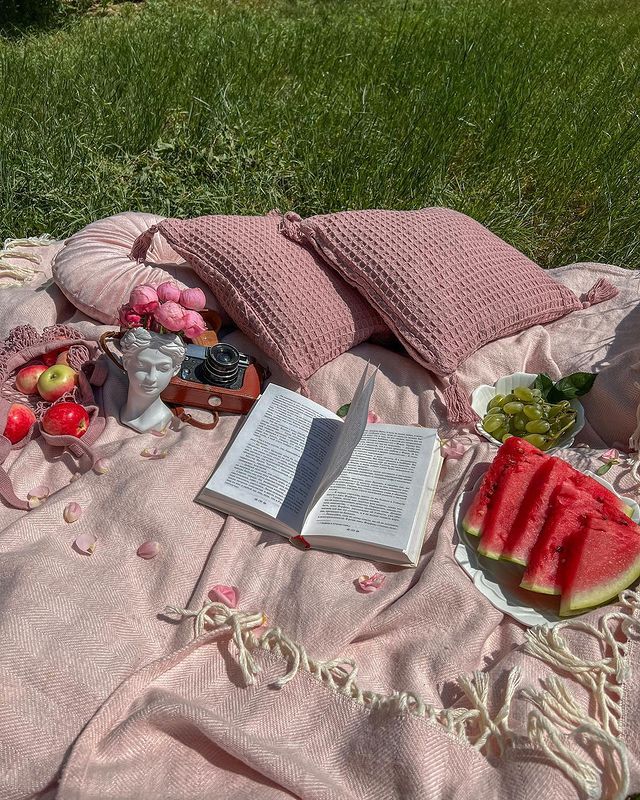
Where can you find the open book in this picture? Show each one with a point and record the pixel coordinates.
(345, 486)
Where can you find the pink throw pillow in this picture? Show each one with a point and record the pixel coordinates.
(297, 310)
(95, 273)
(444, 284)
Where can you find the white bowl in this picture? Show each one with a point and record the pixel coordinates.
(484, 394)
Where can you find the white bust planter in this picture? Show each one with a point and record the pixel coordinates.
(150, 360)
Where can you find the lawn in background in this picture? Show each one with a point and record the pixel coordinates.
(523, 114)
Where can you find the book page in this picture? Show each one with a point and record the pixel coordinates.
(349, 435)
(377, 497)
(275, 463)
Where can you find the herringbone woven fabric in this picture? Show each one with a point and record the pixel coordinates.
(298, 311)
(443, 283)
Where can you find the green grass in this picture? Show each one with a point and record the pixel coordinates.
(522, 113)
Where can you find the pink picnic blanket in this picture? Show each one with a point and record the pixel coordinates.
(121, 680)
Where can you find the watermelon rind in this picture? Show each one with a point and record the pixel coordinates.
(602, 593)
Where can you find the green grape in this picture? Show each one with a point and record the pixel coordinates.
(532, 411)
(536, 440)
(524, 394)
(512, 407)
(507, 436)
(546, 445)
(493, 421)
(565, 404)
(537, 426)
(553, 411)
(518, 422)
(537, 394)
(496, 402)
(566, 420)
(499, 434)
(510, 398)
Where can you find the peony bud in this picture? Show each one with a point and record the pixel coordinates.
(127, 317)
(193, 325)
(193, 299)
(168, 291)
(143, 299)
(170, 316)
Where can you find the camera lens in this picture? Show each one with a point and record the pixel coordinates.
(222, 364)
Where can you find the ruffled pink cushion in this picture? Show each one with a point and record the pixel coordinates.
(94, 270)
(298, 311)
(443, 283)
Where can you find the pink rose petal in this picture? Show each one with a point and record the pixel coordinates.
(371, 583)
(610, 455)
(453, 450)
(86, 543)
(40, 492)
(163, 432)
(148, 549)
(101, 466)
(72, 512)
(224, 594)
(153, 453)
(372, 417)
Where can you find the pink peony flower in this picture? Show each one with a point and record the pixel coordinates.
(193, 324)
(193, 298)
(168, 291)
(170, 316)
(127, 317)
(143, 299)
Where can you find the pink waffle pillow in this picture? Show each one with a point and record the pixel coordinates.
(296, 309)
(444, 284)
(94, 270)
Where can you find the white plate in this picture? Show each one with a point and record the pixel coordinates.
(483, 394)
(499, 581)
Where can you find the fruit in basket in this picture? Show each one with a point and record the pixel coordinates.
(19, 419)
(63, 357)
(56, 381)
(27, 378)
(536, 510)
(70, 419)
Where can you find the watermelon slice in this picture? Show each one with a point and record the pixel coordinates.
(570, 507)
(533, 510)
(508, 454)
(507, 500)
(604, 561)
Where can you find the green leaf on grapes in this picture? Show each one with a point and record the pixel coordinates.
(343, 410)
(544, 383)
(574, 385)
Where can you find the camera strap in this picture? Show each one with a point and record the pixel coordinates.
(183, 416)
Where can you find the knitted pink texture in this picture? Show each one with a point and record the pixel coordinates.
(444, 283)
(296, 309)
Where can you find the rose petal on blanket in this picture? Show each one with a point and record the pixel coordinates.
(228, 595)
(163, 432)
(153, 453)
(371, 583)
(149, 549)
(372, 418)
(101, 466)
(72, 512)
(37, 496)
(610, 455)
(86, 543)
(453, 449)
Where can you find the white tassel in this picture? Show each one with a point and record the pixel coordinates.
(21, 273)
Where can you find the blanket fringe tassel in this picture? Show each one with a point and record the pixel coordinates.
(476, 725)
(557, 719)
(459, 410)
(21, 273)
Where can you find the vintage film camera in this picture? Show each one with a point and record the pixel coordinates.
(218, 378)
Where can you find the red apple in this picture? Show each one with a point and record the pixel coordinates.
(27, 378)
(56, 381)
(62, 357)
(19, 419)
(68, 419)
(50, 358)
